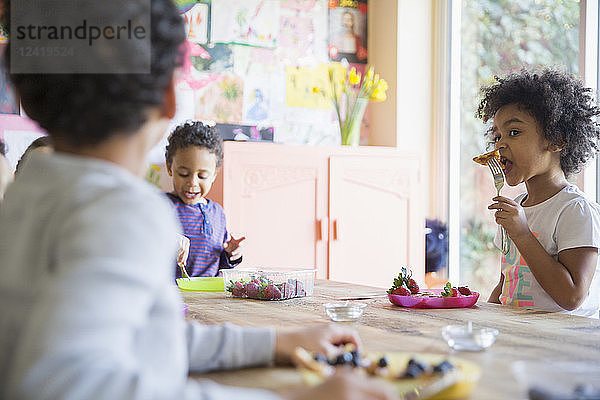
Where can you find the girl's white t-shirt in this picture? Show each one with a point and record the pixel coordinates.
(566, 220)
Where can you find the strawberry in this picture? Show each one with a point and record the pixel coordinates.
(403, 281)
(465, 291)
(252, 289)
(401, 291)
(412, 285)
(455, 292)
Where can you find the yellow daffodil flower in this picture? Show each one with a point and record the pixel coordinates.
(378, 95)
(383, 84)
(369, 74)
(353, 77)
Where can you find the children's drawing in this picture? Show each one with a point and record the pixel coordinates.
(308, 87)
(219, 60)
(196, 23)
(296, 37)
(185, 5)
(9, 103)
(190, 77)
(257, 98)
(258, 108)
(348, 31)
(221, 100)
(252, 22)
(300, 5)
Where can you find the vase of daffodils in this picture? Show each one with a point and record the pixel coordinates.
(350, 97)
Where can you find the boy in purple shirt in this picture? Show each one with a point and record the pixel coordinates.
(193, 155)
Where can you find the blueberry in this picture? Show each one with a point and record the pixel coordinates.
(412, 371)
(344, 358)
(355, 357)
(382, 362)
(417, 364)
(443, 367)
(321, 358)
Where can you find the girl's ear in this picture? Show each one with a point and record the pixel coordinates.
(169, 169)
(555, 148)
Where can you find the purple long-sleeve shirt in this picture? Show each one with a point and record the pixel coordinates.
(205, 226)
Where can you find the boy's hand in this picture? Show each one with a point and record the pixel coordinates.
(325, 339)
(184, 249)
(233, 247)
(511, 216)
(346, 385)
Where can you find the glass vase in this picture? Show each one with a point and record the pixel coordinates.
(351, 129)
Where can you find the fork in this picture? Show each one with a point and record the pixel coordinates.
(499, 183)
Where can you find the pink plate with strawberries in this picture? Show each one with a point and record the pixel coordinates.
(434, 300)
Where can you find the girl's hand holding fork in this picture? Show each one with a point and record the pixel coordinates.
(511, 216)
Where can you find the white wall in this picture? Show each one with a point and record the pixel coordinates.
(400, 48)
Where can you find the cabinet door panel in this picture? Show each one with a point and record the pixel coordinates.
(277, 200)
(377, 219)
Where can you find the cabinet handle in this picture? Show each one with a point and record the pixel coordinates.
(336, 234)
(322, 228)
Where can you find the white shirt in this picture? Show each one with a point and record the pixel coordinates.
(88, 307)
(566, 220)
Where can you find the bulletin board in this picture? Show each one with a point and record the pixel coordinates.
(251, 66)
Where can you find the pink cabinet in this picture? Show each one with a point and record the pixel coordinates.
(354, 214)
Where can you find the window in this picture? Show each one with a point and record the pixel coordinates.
(494, 37)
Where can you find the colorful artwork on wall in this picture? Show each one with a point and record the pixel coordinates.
(185, 5)
(310, 87)
(251, 22)
(221, 100)
(219, 60)
(348, 30)
(196, 23)
(296, 36)
(257, 99)
(9, 103)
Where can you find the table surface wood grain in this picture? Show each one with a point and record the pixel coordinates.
(524, 334)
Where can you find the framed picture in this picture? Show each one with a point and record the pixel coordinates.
(348, 30)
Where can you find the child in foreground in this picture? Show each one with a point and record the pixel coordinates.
(193, 155)
(91, 312)
(545, 127)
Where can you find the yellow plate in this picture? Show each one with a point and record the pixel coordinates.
(201, 284)
(470, 374)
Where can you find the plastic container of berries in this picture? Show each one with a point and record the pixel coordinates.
(254, 283)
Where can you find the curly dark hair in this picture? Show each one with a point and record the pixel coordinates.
(86, 109)
(563, 107)
(195, 133)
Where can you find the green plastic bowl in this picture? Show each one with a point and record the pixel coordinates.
(201, 284)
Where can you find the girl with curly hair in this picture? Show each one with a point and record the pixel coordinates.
(545, 127)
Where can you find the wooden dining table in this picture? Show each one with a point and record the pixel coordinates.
(524, 334)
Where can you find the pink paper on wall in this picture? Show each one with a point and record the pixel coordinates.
(296, 37)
